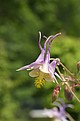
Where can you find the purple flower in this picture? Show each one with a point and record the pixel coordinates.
(42, 68)
(58, 113)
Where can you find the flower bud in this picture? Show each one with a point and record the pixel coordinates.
(67, 93)
(55, 93)
(78, 66)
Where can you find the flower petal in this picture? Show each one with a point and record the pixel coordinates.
(35, 64)
(38, 61)
(30, 66)
(41, 57)
(34, 73)
(58, 75)
(52, 66)
(48, 78)
(45, 67)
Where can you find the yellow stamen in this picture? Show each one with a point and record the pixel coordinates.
(37, 73)
(39, 82)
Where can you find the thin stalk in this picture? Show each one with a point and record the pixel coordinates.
(52, 58)
(67, 69)
(67, 85)
(70, 117)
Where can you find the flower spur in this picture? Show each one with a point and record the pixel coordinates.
(42, 69)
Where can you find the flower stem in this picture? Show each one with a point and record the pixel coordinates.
(65, 82)
(67, 69)
(70, 117)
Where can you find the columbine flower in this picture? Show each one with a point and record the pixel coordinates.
(42, 69)
(57, 113)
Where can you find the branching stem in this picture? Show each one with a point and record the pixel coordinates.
(65, 82)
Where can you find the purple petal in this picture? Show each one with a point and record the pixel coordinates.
(50, 39)
(46, 61)
(52, 75)
(53, 66)
(30, 66)
(53, 36)
(47, 40)
(47, 58)
(35, 64)
(41, 56)
(61, 105)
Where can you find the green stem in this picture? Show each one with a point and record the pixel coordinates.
(67, 85)
(72, 92)
(67, 69)
(69, 72)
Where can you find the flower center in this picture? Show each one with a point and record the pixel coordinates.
(39, 81)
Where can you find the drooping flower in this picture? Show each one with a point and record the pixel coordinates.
(57, 113)
(42, 69)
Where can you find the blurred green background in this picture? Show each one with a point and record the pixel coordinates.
(20, 22)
